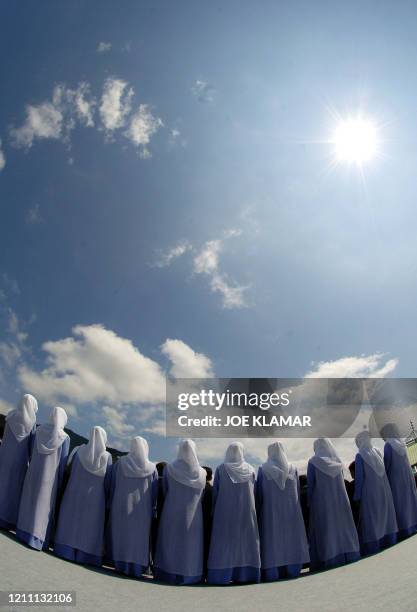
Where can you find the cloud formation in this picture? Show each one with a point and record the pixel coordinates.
(207, 262)
(364, 366)
(116, 103)
(203, 91)
(42, 121)
(186, 363)
(165, 259)
(143, 125)
(95, 367)
(103, 47)
(54, 119)
(13, 346)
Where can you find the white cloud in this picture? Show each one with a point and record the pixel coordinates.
(14, 327)
(10, 353)
(165, 259)
(103, 47)
(203, 91)
(96, 366)
(207, 262)
(116, 422)
(42, 121)
(233, 295)
(57, 117)
(174, 135)
(2, 157)
(84, 104)
(54, 119)
(14, 346)
(186, 363)
(143, 125)
(365, 366)
(116, 103)
(233, 233)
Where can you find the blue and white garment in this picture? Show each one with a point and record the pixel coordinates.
(284, 545)
(43, 482)
(402, 481)
(180, 541)
(377, 526)
(15, 452)
(235, 547)
(332, 532)
(133, 498)
(80, 532)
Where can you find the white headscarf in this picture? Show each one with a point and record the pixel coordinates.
(276, 467)
(22, 419)
(50, 437)
(392, 436)
(93, 455)
(325, 458)
(369, 453)
(186, 468)
(236, 466)
(136, 463)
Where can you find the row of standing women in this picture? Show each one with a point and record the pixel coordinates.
(257, 529)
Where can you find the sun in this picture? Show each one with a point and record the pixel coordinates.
(355, 141)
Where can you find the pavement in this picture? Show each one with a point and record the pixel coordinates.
(386, 581)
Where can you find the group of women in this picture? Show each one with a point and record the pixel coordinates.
(105, 514)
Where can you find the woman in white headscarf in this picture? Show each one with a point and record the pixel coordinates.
(333, 536)
(401, 479)
(15, 452)
(43, 482)
(133, 497)
(377, 527)
(234, 549)
(180, 541)
(80, 532)
(284, 546)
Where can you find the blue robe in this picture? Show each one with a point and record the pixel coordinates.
(14, 462)
(377, 526)
(403, 489)
(180, 541)
(80, 531)
(132, 506)
(332, 532)
(235, 548)
(42, 485)
(284, 546)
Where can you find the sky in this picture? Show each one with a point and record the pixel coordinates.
(171, 203)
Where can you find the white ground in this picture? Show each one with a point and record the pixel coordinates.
(387, 581)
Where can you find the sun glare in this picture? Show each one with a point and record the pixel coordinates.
(355, 141)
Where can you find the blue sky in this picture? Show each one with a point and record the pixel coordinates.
(169, 203)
